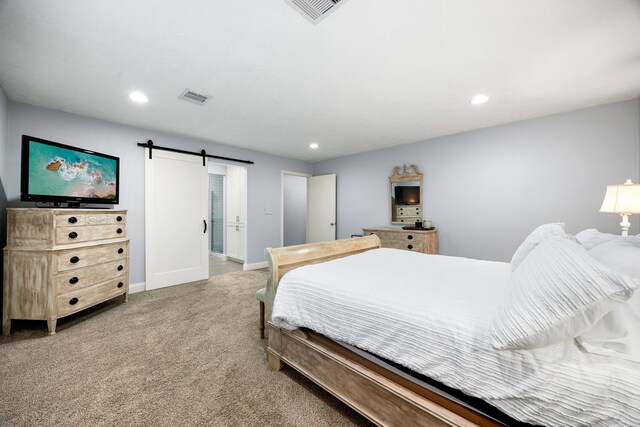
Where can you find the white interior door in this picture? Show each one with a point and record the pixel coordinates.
(321, 208)
(176, 198)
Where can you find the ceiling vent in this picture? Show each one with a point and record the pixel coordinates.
(196, 98)
(315, 10)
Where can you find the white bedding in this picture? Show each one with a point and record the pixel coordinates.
(432, 314)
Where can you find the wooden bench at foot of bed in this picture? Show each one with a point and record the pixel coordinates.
(384, 397)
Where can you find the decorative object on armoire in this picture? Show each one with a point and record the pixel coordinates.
(623, 199)
(60, 261)
(411, 239)
(405, 194)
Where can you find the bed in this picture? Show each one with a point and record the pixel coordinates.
(338, 322)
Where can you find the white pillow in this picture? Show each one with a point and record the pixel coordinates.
(618, 333)
(558, 292)
(591, 238)
(538, 235)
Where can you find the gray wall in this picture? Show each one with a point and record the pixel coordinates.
(295, 210)
(263, 178)
(487, 189)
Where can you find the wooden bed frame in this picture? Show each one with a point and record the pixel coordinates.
(382, 396)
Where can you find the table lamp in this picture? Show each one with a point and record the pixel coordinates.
(624, 200)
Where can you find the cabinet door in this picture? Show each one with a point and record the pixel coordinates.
(240, 232)
(242, 194)
(233, 193)
(233, 249)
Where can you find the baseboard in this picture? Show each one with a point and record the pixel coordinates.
(256, 265)
(134, 288)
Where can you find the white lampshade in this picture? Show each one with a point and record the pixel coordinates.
(622, 199)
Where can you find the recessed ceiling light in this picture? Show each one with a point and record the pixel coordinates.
(479, 99)
(138, 97)
(313, 146)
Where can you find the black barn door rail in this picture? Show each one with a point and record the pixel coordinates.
(149, 144)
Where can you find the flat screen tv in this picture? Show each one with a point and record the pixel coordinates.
(407, 195)
(58, 173)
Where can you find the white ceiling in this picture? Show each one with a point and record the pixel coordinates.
(373, 74)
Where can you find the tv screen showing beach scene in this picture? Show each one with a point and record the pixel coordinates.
(56, 171)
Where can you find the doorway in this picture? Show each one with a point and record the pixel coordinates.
(308, 208)
(227, 213)
(294, 209)
(216, 213)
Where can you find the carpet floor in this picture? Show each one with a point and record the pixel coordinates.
(187, 355)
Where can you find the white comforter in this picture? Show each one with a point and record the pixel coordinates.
(431, 313)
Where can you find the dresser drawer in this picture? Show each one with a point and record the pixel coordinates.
(405, 244)
(69, 259)
(407, 211)
(77, 300)
(89, 233)
(63, 220)
(409, 219)
(79, 278)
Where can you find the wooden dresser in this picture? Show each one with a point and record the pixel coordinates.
(60, 261)
(425, 241)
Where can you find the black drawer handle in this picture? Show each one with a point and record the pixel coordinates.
(409, 237)
(120, 284)
(73, 235)
(120, 268)
(73, 301)
(73, 220)
(74, 259)
(119, 218)
(120, 250)
(371, 234)
(74, 280)
(119, 231)
(410, 247)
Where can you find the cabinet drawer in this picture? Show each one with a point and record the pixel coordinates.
(407, 211)
(79, 278)
(75, 301)
(63, 220)
(408, 219)
(69, 259)
(89, 233)
(405, 244)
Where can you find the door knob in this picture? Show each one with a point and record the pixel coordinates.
(332, 224)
